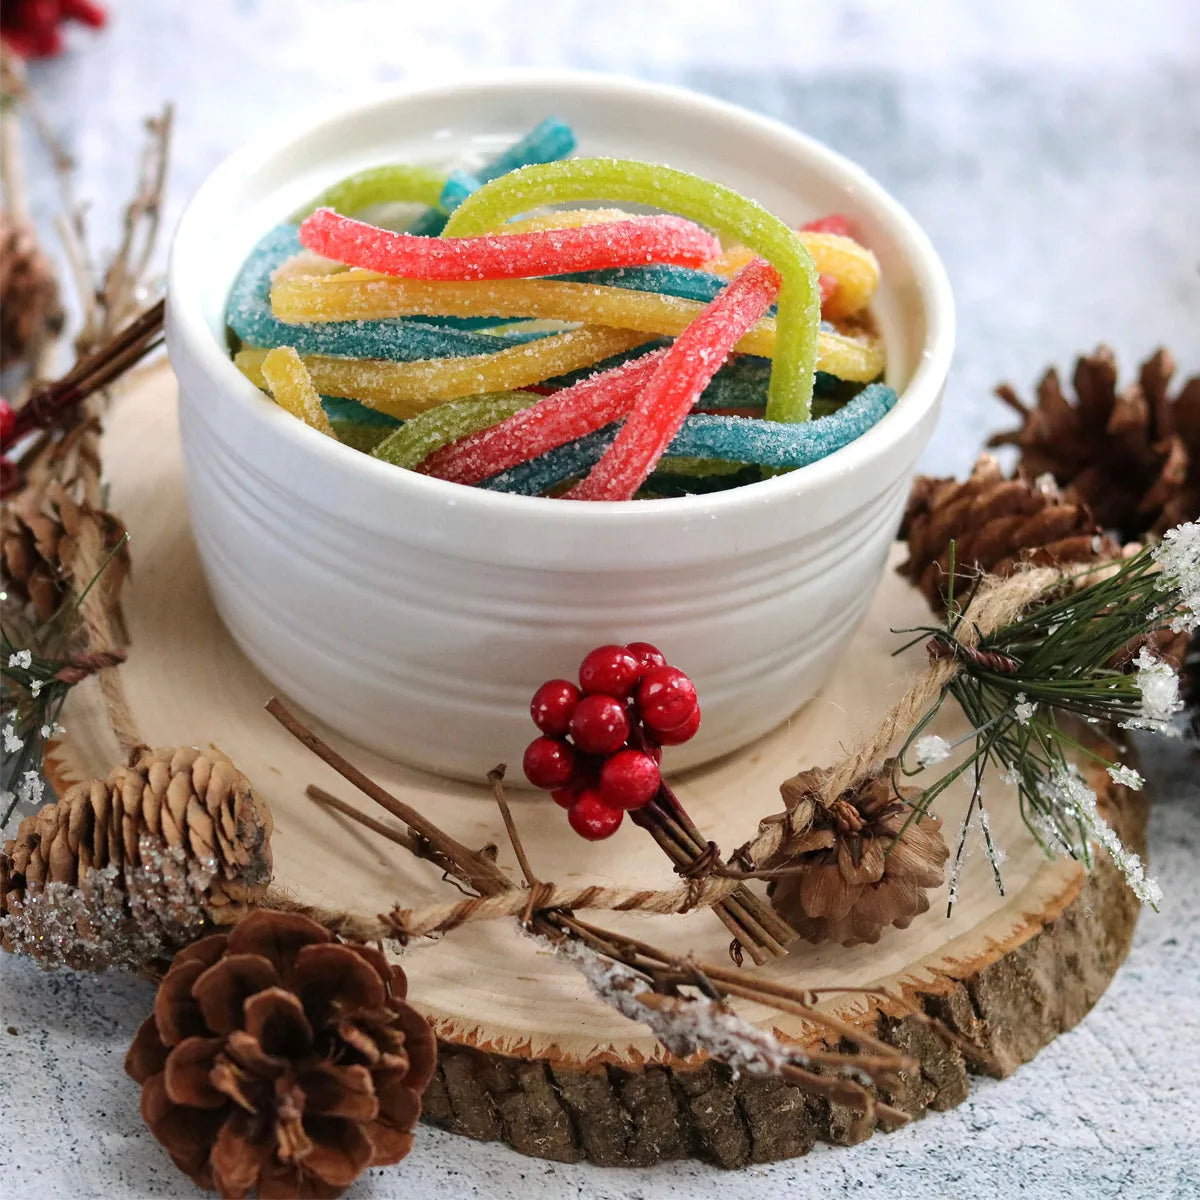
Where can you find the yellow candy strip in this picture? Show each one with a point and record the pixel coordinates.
(283, 372)
(572, 219)
(403, 389)
(369, 296)
(854, 267)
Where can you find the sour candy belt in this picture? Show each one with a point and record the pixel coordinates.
(680, 377)
(402, 389)
(559, 418)
(392, 183)
(354, 297)
(429, 431)
(249, 316)
(721, 208)
(507, 256)
(854, 268)
(293, 390)
(733, 439)
(548, 140)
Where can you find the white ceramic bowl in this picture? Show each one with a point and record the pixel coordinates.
(417, 616)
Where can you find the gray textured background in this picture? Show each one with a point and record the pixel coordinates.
(1053, 152)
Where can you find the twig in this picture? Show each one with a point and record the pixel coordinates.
(470, 866)
(496, 779)
(348, 810)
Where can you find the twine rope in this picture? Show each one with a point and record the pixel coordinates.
(997, 603)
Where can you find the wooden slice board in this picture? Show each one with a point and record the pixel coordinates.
(528, 1055)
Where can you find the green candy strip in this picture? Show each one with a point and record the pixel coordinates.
(428, 431)
(389, 184)
(734, 216)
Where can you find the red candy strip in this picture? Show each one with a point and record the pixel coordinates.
(834, 223)
(637, 241)
(682, 374)
(562, 417)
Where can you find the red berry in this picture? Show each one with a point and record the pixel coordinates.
(564, 797)
(685, 732)
(646, 654)
(8, 420)
(666, 698)
(599, 725)
(609, 671)
(629, 779)
(549, 762)
(591, 818)
(552, 706)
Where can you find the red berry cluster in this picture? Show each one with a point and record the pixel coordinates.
(602, 740)
(30, 28)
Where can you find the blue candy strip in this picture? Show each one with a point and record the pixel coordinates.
(548, 141)
(341, 408)
(731, 439)
(398, 339)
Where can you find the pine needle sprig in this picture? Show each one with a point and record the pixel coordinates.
(39, 665)
(1067, 659)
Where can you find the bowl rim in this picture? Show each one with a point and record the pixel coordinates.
(190, 338)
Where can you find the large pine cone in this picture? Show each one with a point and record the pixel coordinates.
(126, 870)
(1132, 456)
(996, 525)
(281, 1058)
(856, 876)
(30, 308)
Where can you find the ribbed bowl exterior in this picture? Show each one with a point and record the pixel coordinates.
(417, 617)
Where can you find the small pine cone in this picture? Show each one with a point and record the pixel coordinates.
(995, 525)
(1132, 455)
(282, 1059)
(30, 308)
(124, 871)
(857, 876)
(41, 530)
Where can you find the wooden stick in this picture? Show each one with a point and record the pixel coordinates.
(348, 810)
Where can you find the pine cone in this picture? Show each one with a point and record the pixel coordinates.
(1132, 456)
(281, 1058)
(125, 871)
(30, 309)
(996, 524)
(852, 886)
(40, 533)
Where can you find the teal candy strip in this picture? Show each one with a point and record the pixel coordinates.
(731, 439)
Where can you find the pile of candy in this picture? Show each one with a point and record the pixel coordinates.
(602, 741)
(589, 354)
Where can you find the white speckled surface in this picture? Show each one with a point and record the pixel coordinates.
(1053, 152)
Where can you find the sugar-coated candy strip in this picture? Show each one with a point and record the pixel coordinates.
(436, 427)
(565, 219)
(681, 375)
(833, 223)
(552, 421)
(721, 208)
(548, 140)
(734, 439)
(249, 315)
(358, 436)
(403, 389)
(851, 270)
(340, 409)
(350, 297)
(355, 296)
(400, 183)
(292, 389)
(507, 256)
